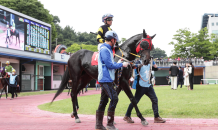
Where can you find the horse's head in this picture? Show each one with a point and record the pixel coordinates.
(2, 71)
(144, 47)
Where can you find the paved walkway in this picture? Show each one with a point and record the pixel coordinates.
(22, 113)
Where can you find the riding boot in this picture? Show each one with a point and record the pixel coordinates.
(110, 121)
(99, 120)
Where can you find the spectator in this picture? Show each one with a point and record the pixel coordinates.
(174, 72)
(180, 77)
(191, 75)
(97, 85)
(87, 87)
(153, 78)
(168, 79)
(186, 76)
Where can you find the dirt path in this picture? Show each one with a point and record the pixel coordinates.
(22, 113)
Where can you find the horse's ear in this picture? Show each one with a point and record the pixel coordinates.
(144, 34)
(152, 48)
(153, 36)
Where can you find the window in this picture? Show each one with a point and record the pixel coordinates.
(41, 71)
(216, 23)
(215, 31)
(212, 24)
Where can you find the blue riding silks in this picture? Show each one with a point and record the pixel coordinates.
(100, 66)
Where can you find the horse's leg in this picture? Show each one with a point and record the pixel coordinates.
(68, 91)
(125, 86)
(83, 84)
(2, 91)
(15, 93)
(75, 74)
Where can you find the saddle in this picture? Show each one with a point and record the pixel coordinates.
(95, 58)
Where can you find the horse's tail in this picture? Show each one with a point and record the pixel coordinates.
(64, 82)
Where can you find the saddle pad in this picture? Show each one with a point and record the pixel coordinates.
(94, 58)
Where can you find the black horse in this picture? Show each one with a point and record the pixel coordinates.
(5, 82)
(81, 72)
(16, 34)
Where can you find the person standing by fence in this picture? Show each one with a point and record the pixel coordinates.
(191, 75)
(174, 72)
(180, 77)
(186, 76)
(97, 85)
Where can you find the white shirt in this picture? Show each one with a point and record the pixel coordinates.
(190, 70)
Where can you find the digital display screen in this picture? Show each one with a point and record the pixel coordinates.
(11, 31)
(23, 34)
(37, 37)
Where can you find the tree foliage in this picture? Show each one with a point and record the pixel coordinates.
(188, 44)
(158, 53)
(75, 47)
(32, 8)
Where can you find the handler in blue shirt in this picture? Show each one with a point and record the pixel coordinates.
(106, 76)
(13, 83)
(144, 87)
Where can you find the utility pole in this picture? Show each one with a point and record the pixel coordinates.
(56, 41)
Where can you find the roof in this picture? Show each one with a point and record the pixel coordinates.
(205, 18)
(33, 58)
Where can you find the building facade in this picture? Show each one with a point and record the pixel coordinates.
(26, 43)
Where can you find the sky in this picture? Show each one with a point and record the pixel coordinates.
(160, 17)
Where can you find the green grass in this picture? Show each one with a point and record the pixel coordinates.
(181, 103)
(38, 92)
(1, 31)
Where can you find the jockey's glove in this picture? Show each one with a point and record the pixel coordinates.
(125, 64)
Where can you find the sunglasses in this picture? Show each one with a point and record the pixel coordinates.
(109, 19)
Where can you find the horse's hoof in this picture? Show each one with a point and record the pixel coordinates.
(144, 123)
(78, 120)
(72, 116)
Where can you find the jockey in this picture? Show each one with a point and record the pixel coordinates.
(107, 19)
(8, 69)
(13, 26)
(143, 87)
(106, 76)
(13, 83)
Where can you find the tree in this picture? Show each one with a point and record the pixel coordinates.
(32, 8)
(75, 47)
(214, 47)
(189, 44)
(158, 53)
(123, 40)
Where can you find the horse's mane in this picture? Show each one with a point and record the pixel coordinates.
(129, 41)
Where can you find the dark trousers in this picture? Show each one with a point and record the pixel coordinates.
(148, 91)
(108, 91)
(13, 90)
(7, 37)
(191, 81)
(180, 80)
